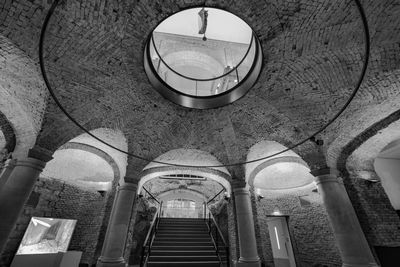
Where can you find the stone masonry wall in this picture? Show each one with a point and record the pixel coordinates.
(57, 199)
(311, 235)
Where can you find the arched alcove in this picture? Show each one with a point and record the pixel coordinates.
(191, 157)
(81, 168)
(387, 167)
(286, 171)
(86, 162)
(182, 194)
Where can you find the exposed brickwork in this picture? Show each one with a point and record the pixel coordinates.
(22, 97)
(7, 133)
(232, 229)
(321, 41)
(208, 188)
(377, 217)
(140, 225)
(61, 200)
(311, 235)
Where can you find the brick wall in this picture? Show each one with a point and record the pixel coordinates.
(58, 199)
(140, 223)
(379, 221)
(311, 235)
(224, 214)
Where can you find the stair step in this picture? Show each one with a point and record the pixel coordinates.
(185, 264)
(162, 234)
(182, 258)
(177, 227)
(186, 239)
(183, 222)
(164, 219)
(185, 247)
(210, 252)
(182, 243)
(182, 231)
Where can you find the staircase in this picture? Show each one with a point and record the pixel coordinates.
(182, 243)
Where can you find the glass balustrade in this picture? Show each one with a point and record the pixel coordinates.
(200, 69)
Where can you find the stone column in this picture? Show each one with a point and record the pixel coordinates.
(17, 188)
(6, 171)
(112, 254)
(245, 224)
(350, 239)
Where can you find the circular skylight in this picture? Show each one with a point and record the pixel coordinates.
(203, 52)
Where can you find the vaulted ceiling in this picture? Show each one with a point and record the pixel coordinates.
(313, 53)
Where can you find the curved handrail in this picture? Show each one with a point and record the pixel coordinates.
(203, 80)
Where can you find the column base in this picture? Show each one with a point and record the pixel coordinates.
(247, 264)
(371, 264)
(102, 262)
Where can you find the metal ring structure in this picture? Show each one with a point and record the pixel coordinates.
(356, 88)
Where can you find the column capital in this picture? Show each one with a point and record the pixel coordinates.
(31, 163)
(324, 171)
(127, 186)
(131, 179)
(238, 183)
(40, 153)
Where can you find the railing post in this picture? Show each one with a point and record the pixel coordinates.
(209, 222)
(227, 256)
(216, 239)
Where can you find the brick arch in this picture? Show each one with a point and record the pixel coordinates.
(363, 193)
(8, 132)
(96, 151)
(23, 96)
(191, 157)
(182, 193)
(118, 176)
(368, 133)
(259, 174)
(115, 137)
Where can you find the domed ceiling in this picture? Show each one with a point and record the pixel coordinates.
(313, 52)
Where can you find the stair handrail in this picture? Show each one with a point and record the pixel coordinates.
(218, 234)
(222, 190)
(153, 197)
(148, 242)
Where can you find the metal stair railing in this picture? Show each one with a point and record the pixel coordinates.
(148, 242)
(217, 238)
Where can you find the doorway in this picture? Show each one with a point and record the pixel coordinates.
(282, 249)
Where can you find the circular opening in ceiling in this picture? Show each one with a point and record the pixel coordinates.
(203, 58)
